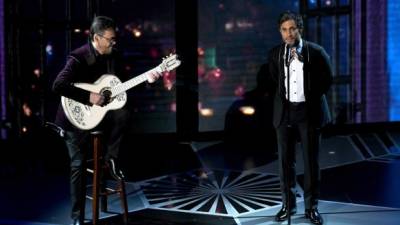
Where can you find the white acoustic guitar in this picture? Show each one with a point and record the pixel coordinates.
(86, 117)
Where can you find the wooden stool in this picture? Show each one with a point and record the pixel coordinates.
(98, 187)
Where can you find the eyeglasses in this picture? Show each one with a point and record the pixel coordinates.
(112, 41)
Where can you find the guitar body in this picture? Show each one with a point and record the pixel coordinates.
(87, 117)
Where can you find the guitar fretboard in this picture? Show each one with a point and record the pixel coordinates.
(132, 82)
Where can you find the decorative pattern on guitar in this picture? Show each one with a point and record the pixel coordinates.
(86, 117)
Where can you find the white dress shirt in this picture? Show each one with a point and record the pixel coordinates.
(296, 76)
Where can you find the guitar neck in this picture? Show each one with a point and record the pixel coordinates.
(132, 82)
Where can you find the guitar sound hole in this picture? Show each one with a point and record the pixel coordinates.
(106, 93)
(107, 96)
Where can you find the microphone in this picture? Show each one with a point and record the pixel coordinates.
(288, 56)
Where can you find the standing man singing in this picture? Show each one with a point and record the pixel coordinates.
(301, 73)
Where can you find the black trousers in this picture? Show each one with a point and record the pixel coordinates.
(78, 143)
(294, 126)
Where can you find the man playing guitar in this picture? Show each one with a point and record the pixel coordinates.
(87, 64)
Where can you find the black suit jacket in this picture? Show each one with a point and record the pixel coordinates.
(317, 81)
(84, 65)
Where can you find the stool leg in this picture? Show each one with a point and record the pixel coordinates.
(124, 203)
(96, 179)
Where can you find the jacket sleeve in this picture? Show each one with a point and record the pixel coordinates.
(272, 71)
(326, 72)
(64, 82)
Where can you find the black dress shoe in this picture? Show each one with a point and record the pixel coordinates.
(283, 213)
(115, 171)
(314, 216)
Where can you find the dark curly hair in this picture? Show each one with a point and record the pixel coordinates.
(289, 15)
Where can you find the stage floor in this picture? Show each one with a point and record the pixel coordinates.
(360, 185)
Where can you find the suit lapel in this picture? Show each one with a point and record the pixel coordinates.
(306, 73)
(282, 70)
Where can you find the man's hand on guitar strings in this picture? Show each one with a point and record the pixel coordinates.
(97, 99)
(152, 76)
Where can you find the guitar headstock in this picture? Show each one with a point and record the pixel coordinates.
(169, 63)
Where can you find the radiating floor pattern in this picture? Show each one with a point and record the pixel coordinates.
(214, 192)
(242, 198)
(359, 186)
(333, 213)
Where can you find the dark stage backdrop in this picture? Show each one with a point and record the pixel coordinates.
(233, 39)
(3, 104)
